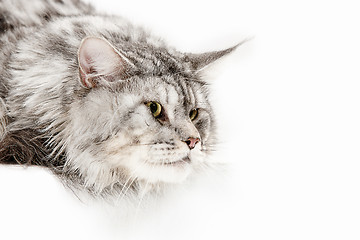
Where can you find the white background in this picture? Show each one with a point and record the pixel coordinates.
(288, 110)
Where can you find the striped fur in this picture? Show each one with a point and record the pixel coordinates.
(101, 138)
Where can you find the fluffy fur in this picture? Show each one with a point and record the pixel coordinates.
(74, 86)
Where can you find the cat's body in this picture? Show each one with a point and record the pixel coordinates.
(102, 103)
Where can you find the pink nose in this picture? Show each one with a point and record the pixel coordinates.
(191, 142)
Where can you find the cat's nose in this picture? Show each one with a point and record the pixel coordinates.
(191, 142)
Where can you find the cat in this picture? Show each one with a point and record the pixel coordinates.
(108, 107)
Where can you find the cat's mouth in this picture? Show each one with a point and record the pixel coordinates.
(184, 160)
(173, 163)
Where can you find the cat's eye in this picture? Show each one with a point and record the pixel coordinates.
(155, 108)
(193, 114)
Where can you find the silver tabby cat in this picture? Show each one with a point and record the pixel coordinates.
(101, 102)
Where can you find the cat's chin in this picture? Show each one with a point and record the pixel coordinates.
(168, 172)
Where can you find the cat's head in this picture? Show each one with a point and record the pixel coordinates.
(145, 116)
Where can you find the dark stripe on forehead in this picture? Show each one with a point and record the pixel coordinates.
(192, 98)
(180, 87)
(174, 85)
(184, 91)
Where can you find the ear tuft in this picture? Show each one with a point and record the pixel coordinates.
(98, 59)
(203, 60)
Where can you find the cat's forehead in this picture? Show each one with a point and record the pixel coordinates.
(158, 61)
(170, 90)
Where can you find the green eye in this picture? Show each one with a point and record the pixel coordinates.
(155, 108)
(193, 114)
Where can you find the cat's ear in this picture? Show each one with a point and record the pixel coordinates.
(202, 60)
(100, 62)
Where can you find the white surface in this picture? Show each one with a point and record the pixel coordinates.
(288, 107)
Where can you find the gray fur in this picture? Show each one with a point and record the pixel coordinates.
(102, 138)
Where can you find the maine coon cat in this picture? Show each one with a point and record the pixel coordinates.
(102, 103)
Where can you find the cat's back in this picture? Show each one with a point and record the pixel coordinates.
(19, 18)
(24, 13)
